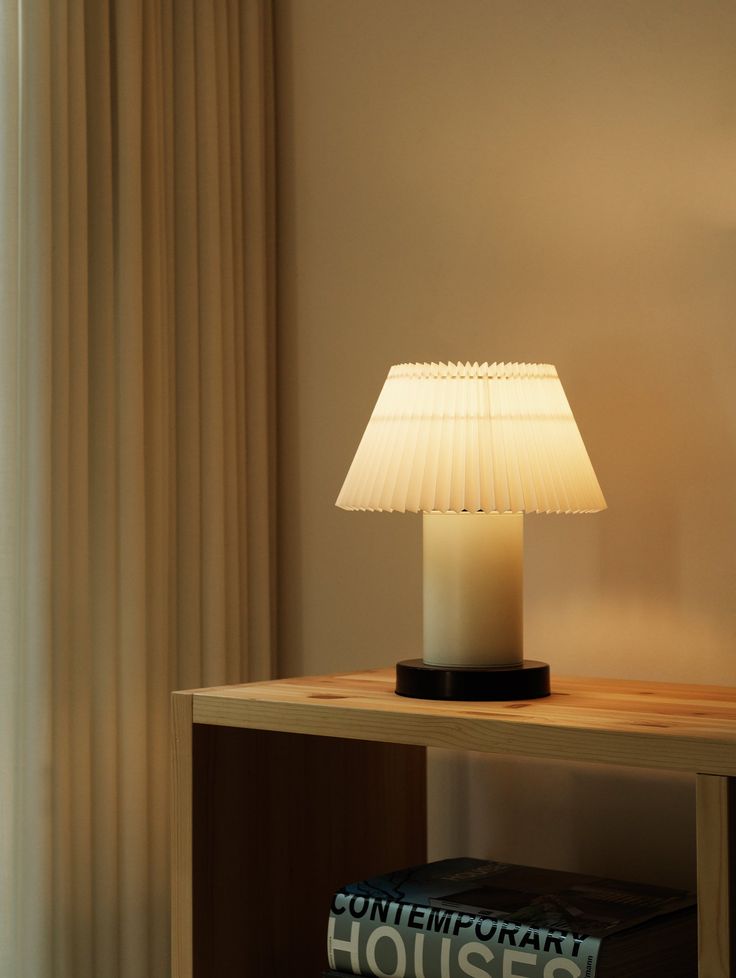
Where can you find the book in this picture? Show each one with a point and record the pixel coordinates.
(474, 918)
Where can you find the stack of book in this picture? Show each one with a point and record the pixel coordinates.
(470, 918)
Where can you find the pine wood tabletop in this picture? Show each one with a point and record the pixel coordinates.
(634, 723)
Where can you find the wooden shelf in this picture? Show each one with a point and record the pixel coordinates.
(344, 749)
(657, 725)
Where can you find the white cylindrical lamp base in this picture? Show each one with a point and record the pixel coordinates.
(473, 589)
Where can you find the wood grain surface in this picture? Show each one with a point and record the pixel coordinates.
(181, 835)
(640, 724)
(716, 823)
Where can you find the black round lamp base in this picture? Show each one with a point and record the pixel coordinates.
(416, 679)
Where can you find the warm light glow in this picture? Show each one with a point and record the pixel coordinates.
(491, 438)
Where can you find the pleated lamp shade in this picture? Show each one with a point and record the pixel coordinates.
(478, 438)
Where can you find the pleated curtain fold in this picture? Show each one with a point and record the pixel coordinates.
(137, 480)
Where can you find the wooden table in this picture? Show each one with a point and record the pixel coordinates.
(284, 790)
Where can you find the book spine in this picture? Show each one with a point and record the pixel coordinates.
(386, 938)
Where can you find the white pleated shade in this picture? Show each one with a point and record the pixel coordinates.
(461, 437)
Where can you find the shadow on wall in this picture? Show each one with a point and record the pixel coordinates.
(647, 589)
(607, 821)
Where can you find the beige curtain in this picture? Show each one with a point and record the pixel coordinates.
(136, 462)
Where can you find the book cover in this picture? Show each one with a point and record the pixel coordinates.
(471, 918)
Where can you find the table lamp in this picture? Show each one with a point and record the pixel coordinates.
(472, 447)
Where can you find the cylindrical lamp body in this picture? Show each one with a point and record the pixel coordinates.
(473, 589)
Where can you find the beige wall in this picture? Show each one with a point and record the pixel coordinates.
(545, 180)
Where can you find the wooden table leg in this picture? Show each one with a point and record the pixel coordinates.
(716, 828)
(181, 835)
